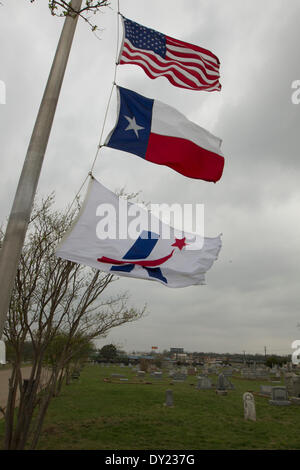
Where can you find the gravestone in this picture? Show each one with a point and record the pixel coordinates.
(157, 375)
(118, 376)
(27, 383)
(75, 374)
(141, 373)
(248, 374)
(204, 383)
(169, 398)
(279, 396)
(277, 377)
(221, 382)
(179, 377)
(224, 383)
(249, 406)
(292, 383)
(262, 374)
(266, 389)
(228, 384)
(295, 400)
(221, 388)
(2, 353)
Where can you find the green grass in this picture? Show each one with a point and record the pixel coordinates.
(93, 414)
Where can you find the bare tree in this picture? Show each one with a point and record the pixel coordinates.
(52, 296)
(62, 8)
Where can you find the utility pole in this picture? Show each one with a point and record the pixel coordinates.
(20, 213)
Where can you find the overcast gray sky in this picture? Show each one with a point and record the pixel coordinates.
(251, 299)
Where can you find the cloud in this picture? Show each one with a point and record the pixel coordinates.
(251, 297)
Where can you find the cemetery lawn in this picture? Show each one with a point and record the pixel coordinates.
(91, 414)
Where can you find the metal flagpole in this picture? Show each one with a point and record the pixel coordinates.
(20, 213)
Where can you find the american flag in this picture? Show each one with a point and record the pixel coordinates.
(184, 65)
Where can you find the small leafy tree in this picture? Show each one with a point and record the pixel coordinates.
(59, 307)
(76, 351)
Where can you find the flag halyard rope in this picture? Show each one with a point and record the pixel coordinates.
(100, 145)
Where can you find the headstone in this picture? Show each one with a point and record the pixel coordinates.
(158, 375)
(249, 406)
(2, 353)
(277, 377)
(261, 373)
(279, 396)
(266, 389)
(292, 382)
(204, 383)
(27, 382)
(141, 373)
(228, 385)
(118, 376)
(295, 400)
(75, 374)
(169, 398)
(221, 388)
(221, 382)
(224, 383)
(248, 374)
(179, 377)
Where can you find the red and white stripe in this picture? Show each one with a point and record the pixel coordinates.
(185, 65)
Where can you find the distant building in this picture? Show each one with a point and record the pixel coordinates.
(177, 350)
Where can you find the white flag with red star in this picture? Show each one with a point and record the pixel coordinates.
(122, 238)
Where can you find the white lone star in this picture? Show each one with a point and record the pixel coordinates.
(133, 126)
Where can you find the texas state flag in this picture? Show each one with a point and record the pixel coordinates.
(161, 134)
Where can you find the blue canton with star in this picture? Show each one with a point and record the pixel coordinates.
(145, 38)
(132, 130)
